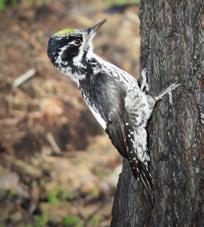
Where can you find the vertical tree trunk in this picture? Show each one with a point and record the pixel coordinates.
(171, 41)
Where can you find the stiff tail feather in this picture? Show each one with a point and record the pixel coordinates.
(142, 172)
(146, 179)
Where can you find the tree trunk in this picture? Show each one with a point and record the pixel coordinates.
(171, 51)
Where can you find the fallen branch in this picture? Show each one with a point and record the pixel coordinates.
(23, 78)
(50, 138)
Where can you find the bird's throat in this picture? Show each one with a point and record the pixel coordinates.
(80, 69)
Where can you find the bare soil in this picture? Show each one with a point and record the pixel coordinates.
(57, 166)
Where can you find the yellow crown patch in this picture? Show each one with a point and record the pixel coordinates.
(65, 31)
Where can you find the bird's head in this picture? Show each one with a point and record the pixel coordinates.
(68, 47)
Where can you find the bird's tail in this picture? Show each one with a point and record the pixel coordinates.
(142, 172)
(146, 179)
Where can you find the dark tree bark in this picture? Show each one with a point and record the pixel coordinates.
(171, 51)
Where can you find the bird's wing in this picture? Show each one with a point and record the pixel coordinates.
(121, 134)
(117, 129)
(107, 95)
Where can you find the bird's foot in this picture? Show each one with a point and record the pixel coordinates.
(168, 91)
(144, 85)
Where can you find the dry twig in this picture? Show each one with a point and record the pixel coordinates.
(23, 78)
(52, 142)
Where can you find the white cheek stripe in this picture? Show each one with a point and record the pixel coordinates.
(59, 58)
(77, 59)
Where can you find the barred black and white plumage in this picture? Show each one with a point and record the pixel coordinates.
(119, 104)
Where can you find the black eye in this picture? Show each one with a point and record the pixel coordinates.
(77, 42)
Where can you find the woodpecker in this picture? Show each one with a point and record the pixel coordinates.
(118, 103)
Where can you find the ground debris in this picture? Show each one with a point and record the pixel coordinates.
(56, 164)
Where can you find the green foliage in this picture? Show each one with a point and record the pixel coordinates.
(57, 194)
(72, 221)
(95, 221)
(13, 2)
(53, 196)
(40, 221)
(121, 2)
(2, 4)
(66, 195)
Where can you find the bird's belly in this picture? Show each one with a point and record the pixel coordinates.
(140, 117)
(139, 109)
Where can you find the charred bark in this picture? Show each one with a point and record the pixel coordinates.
(171, 51)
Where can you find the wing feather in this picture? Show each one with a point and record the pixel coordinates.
(107, 96)
(122, 136)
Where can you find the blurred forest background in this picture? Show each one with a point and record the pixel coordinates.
(57, 167)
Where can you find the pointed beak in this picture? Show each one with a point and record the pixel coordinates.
(92, 30)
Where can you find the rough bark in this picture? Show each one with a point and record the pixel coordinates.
(171, 41)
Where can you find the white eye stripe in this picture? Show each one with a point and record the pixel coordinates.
(72, 42)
